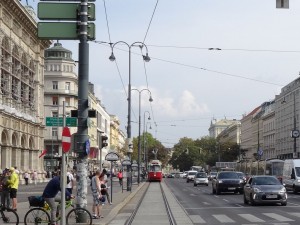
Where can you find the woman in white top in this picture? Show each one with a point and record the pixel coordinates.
(96, 192)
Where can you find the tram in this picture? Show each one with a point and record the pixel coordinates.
(274, 167)
(155, 171)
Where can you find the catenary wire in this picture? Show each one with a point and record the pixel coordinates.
(107, 21)
(150, 21)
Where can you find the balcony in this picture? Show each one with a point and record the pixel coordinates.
(61, 92)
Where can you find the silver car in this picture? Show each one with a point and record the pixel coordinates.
(201, 178)
(264, 189)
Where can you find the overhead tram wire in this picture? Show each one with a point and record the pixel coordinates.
(202, 68)
(150, 21)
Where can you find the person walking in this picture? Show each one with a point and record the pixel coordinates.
(120, 176)
(96, 192)
(104, 180)
(71, 183)
(13, 183)
(49, 194)
(34, 177)
(5, 198)
(26, 177)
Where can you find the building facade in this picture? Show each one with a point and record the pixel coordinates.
(216, 127)
(22, 88)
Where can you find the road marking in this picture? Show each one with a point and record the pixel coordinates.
(223, 218)
(225, 200)
(196, 219)
(251, 218)
(290, 203)
(278, 217)
(193, 195)
(238, 205)
(295, 214)
(206, 203)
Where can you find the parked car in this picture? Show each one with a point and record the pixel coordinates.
(201, 178)
(227, 181)
(190, 176)
(264, 189)
(212, 175)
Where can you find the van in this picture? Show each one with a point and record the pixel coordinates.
(291, 175)
(190, 175)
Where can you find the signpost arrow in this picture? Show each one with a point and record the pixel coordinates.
(66, 139)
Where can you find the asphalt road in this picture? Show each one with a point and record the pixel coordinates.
(203, 207)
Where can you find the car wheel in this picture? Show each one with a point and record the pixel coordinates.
(241, 192)
(206, 184)
(245, 200)
(187, 181)
(294, 190)
(284, 203)
(195, 185)
(252, 200)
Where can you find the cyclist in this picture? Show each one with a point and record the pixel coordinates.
(49, 194)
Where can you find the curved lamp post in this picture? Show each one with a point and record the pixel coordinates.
(146, 58)
(144, 149)
(139, 139)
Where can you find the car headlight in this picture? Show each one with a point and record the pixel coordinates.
(282, 190)
(241, 181)
(257, 190)
(220, 181)
(298, 181)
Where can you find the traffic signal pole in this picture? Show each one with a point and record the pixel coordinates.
(82, 131)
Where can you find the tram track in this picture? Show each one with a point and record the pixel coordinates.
(171, 218)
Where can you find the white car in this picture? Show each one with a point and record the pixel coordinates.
(190, 175)
(201, 178)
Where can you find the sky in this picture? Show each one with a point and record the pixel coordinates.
(191, 84)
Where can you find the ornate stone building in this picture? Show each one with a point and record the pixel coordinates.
(22, 88)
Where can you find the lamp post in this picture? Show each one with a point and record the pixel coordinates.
(144, 149)
(139, 138)
(146, 58)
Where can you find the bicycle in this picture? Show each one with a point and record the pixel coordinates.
(39, 214)
(8, 216)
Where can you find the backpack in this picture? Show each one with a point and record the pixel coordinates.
(68, 180)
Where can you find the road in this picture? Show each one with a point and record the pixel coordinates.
(203, 207)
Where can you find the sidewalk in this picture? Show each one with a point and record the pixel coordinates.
(108, 211)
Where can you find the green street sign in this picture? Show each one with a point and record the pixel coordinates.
(63, 31)
(54, 121)
(71, 121)
(63, 11)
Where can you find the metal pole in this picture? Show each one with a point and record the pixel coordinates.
(129, 122)
(111, 182)
(295, 127)
(139, 139)
(63, 180)
(82, 132)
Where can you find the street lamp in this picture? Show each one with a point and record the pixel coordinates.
(146, 58)
(139, 139)
(144, 150)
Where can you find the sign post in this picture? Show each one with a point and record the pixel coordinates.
(112, 157)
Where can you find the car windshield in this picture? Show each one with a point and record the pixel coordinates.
(228, 176)
(241, 175)
(265, 181)
(192, 173)
(154, 168)
(213, 173)
(201, 175)
(297, 171)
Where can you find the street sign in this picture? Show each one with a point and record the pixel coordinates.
(66, 139)
(87, 146)
(63, 11)
(63, 30)
(112, 156)
(54, 121)
(71, 121)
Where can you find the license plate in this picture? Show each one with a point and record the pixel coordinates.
(271, 196)
(231, 188)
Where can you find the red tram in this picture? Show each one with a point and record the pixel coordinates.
(155, 171)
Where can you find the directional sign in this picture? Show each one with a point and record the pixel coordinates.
(71, 121)
(63, 11)
(66, 139)
(54, 121)
(63, 30)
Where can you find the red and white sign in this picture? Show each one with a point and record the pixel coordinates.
(66, 139)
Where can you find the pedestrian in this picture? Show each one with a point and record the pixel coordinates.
(96, 192)
(49, 194)
(5, 198)
(16, 170)
(13, 182)
(104, 181)
(120, 176)
(26, 177)
(71, 183)
(34, 177)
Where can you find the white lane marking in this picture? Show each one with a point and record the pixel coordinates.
(196, 219)
(225, 200)
(223, 218)
(295, 214)
(238, 205)
(193, 195)
(251, 218)
(278, 217)
(206, 203)
(290, 203)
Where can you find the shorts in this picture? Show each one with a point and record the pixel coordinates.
(13, 193)
(96, 199)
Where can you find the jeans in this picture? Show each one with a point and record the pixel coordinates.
(52, 204)
(5, 199)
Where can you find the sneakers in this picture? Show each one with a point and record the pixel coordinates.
(110, 203)
(95, 217)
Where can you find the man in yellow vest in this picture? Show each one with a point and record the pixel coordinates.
(13, 183)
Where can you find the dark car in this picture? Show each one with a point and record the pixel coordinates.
(171, 175)
(227, 181)
(242, 176)
(264, 189)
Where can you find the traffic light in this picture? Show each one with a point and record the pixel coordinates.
(104, 141)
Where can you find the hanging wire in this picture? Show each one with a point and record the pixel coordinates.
(150, 21)
(107, 21)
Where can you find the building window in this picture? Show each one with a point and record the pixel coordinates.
(55, 85)
(54, 100)
(67, 101)
(54, 131)
(55, 114)
(67, 86)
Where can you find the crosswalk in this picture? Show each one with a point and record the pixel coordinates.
(246, 218)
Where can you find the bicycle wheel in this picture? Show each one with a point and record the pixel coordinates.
(36, 216)
(9, 217)
(79, 216)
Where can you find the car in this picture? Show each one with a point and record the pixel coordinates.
(264, 189)
(242, 176)
(171, 175)
(201, 178)
(227, 181)
(190, 175)
(212, 175)
(184, 174)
